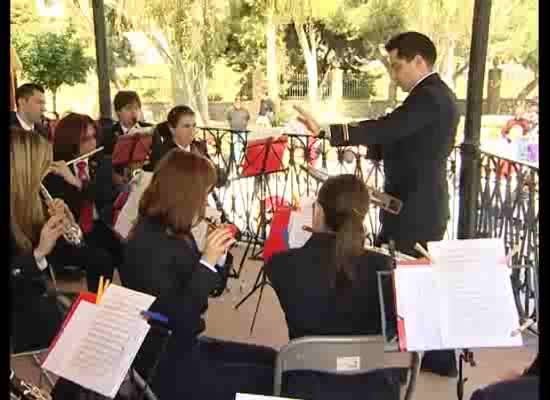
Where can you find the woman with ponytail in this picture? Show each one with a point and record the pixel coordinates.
(329, 287)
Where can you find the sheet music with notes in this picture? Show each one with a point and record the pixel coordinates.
(297, 236)
(463, 299)
(100, 341)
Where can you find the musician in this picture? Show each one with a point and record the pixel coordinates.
(127, 106)
(76, 135)
(33, 236)
(162, 259)
(31, 105)
(329, 287)
(416, 140)
(177, 131)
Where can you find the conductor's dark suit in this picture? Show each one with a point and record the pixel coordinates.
(417, 139)
(312, 306)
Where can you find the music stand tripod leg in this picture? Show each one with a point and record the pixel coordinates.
(257, 284)
(262, 286)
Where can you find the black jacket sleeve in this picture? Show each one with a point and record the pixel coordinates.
(413, 115)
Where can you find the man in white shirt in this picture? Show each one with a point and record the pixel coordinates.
(31, 104)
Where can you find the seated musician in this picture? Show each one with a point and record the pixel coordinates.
(77, 185)
(33, 236)
(127, 106)
(524, 385)
(161, 258)
(329, 287)
(177, 131)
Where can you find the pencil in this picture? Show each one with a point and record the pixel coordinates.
(418, 247)
(107, 283)
(99, 290)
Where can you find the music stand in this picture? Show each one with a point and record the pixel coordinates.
(263, 157)
(132, 150)
(275, 243)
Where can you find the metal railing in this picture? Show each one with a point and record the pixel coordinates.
(507, 205)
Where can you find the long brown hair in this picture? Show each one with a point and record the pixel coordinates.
(30, 159)
(345, 202)
(69, 132)
(178, 189)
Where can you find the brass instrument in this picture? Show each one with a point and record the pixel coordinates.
(72, 232)
(383, 200)
(21, 390)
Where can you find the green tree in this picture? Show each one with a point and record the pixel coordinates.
(53, 59)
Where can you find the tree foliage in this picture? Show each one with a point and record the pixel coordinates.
(53, 59)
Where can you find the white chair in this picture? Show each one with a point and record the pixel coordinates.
(343, 355)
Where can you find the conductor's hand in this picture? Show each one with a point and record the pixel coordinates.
(217, 243)
(51, 231)
(308, 121)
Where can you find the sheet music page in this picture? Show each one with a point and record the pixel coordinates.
(297, 236)
(129, 213)
(100, 342)
(477, 304)
(416, 298)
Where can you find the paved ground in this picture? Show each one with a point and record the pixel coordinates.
(270, 329)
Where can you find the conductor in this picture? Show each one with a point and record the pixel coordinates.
(416, 139)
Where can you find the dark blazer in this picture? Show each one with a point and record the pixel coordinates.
(525, 388)
(29, 307)
(14, 121)
(169, 269)
(416, 140)
(163, 142)
(111, 135)
(313, 307)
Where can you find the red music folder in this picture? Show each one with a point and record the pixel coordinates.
(264, 156)
(277, 241)
(135, 147)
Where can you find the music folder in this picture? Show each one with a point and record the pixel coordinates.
(130, 148)
(462, 298)
(97, 343)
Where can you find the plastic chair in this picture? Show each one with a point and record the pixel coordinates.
(343, 355)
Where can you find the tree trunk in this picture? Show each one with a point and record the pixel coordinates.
(528, 89)
(54, 98)
(202, 94)
(392, 93)
(309, 48)
(493, 90)
(271, 62)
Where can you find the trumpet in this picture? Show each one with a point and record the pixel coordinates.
(383, 200)
(72, 232)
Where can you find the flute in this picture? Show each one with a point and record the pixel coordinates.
(72, 232)
(85, 156)
(380, 250)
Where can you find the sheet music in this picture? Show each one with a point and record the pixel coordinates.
(297, 236)
(416, 300)
(100, 342)
(478, 309)
(129, 213)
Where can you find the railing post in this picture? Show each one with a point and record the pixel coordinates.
(470, 165)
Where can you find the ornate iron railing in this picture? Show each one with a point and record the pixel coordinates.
(507, 205)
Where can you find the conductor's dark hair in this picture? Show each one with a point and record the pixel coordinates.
(27, 90)
(345, 203)
(411, 44)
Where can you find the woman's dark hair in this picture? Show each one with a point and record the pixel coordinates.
(178, 189)
(69, 133)
(177, 112)
(345, 202)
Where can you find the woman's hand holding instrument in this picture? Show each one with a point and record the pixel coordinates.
(72, 232)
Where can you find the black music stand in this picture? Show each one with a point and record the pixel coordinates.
(263, 157)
